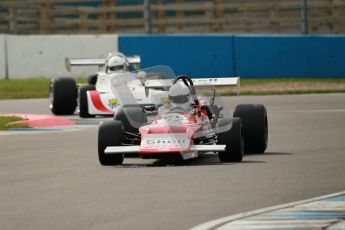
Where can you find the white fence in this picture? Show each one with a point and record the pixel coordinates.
(25, 56)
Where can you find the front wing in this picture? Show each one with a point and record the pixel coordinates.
(194, 150)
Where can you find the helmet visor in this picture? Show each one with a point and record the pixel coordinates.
(179, 99)
(116, 68)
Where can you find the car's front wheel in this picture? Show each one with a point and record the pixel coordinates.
(83, 104)
(132, 118)
(109, 134)
(231, 134)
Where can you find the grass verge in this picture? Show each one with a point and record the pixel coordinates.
(5, 123)
(26, 88)
(280, 92)
(39, 87)
(258, 81)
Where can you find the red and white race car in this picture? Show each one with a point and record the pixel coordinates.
(186, 127)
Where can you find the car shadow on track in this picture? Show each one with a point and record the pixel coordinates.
(212, 159)
(205, 160)
(271, 154)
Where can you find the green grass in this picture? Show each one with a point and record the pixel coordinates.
(39, 87)
(4, 123)
(25, 88)
(255, 81)
(274, 86)
(282, 92)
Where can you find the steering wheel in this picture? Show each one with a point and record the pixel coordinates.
(189, 83)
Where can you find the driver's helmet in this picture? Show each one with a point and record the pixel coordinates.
(179, 94)
(117, 64)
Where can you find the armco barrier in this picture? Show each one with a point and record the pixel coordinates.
(241, 55)
(195, 55)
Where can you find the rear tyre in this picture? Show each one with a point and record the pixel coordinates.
(109, 134)
(254, 118)
(233, 139)
(63, 95)
(83, 105)
(132, 118)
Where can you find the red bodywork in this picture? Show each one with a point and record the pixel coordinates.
(170, 133)
(97, 102)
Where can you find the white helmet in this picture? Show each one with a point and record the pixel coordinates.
(116, 64)
(179, 94)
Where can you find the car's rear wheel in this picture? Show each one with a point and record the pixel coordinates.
(83, 105)
(109, 134)
(63, 94)
(231, 135)
(254, 118)
(132, 118)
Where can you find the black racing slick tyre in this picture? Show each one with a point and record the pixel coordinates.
(83, 105)
(63, 93)
(254, 118)
(109, 134)
(233, 137)
(132, 118)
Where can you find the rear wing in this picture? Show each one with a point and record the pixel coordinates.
(226, 81)
(70, 62)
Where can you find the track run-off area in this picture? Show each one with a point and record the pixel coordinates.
(53, 180)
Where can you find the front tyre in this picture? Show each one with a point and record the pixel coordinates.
(132, 118)
(92, 80)
(83, 105)
(254, 118)
(233, 138)
(109, 134)
(63, 94)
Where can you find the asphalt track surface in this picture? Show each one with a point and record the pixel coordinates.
(52, 180)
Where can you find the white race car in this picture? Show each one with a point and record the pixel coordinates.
(96, 97)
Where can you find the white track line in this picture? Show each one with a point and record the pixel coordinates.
(214, 224)
(47, 130)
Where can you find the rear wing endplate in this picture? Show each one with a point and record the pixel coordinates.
(226, 81)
